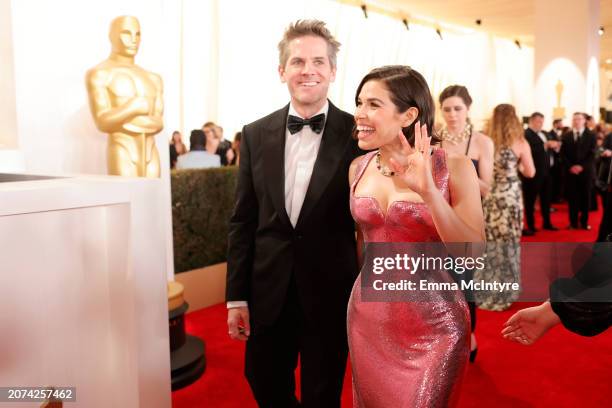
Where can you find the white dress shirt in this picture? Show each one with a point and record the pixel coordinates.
(301, 150)
(577, 133)
(543, 138)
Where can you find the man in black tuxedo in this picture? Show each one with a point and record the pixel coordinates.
(556, 170)
(578, 153)
(292, 252)
(540, 184)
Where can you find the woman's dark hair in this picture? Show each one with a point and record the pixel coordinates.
(408, 89)
(456, 90)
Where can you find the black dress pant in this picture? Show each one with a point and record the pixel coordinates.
(272, 357)
(532, 189)
(556, 181)
(578, 189)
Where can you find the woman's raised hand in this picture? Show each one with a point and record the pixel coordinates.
(413, 164)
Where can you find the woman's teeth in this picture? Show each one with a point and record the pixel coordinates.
(364, 131)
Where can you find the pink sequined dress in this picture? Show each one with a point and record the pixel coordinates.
(410, 354)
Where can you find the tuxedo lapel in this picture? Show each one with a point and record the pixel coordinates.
(331, 153)
(531, 136)
(584, 144)
(572, 142)
(580, 145)
(274, 162)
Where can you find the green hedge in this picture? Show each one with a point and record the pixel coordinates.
(202, 203)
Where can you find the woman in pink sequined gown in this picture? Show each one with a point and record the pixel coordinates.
(408, 354)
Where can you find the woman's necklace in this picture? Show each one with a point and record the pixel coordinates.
(383, 170)
(456, 139)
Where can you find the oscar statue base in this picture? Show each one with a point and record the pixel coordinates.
(188, 363)
(187, 353)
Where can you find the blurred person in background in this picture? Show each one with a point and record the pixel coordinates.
(503, 207)
(591, 123)
(459, 137)
(556, 170)
(578, 154)
(603, 183)
(236, 148)
(177, 147)
(202, 153)
(538, 186)
(224, 150)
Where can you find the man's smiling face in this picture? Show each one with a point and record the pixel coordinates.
(308, 71)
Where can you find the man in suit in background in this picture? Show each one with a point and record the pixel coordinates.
(578, 153)
(540, 184)
(292, 252)
(556, 170)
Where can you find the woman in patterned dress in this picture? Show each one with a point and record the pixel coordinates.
(503, 207)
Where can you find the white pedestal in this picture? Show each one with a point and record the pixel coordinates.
(83, 289)
(11, 161)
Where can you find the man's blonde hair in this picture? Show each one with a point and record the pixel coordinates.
(302, 28)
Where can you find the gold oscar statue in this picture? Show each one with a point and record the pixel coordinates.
(126, 102)
(559, 111)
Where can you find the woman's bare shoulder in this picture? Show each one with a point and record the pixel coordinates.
(520, 145)
(483, 140)
(353, 167)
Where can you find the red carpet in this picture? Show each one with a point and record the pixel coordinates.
(560, 219)
(561, 370)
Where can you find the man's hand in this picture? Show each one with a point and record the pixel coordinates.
(238, 323)
(576, 169)
(552, 144)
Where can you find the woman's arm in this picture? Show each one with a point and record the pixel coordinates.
(526, 166)
(485, 164)
(462, 220)
(351, 176)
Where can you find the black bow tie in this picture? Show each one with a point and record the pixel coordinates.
(295, 124)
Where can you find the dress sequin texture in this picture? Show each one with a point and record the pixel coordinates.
(406, 354)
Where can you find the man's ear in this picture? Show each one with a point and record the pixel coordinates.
(281, 74)
(332, 76)
(409, 116)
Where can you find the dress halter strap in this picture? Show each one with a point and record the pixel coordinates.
(361, 167)
(468, 143)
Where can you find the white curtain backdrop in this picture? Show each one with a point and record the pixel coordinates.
(229, 59)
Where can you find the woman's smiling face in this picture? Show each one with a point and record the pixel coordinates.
(377, 119)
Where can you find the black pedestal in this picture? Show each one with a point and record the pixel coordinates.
(187, 353)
